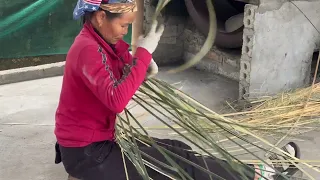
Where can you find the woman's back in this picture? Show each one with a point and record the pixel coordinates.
(98, 83)
(81, 117)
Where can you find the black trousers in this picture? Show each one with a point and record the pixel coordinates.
(104, 161)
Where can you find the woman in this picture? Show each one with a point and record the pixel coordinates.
(99, 80)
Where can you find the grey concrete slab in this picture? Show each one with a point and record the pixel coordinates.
(27, 122)
(31, 73)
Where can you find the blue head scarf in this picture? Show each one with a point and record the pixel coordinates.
(113, 6)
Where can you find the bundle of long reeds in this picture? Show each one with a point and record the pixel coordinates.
(160, 110)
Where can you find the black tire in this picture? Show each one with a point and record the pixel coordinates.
(224, 9)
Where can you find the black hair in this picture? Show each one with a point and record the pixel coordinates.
(110, 16)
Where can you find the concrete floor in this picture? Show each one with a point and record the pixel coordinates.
(27, 122)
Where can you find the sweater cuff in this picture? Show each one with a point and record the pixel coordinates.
(143, 55)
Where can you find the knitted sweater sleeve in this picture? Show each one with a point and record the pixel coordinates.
(97, 73)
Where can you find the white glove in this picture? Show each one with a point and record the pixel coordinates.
(150, 42)
(152, 69)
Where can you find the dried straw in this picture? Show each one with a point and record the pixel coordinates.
(282, 112)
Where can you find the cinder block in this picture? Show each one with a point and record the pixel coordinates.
(248, 40)
(245, 71)
(247, 43)
(243, 90)
(247, 50)
(244, 76)
(246, 55)
(245, 66)
(248, 32)
(249, 13)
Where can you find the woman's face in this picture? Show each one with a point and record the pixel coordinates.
(114, 29)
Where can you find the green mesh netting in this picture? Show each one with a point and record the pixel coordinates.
(38, 27)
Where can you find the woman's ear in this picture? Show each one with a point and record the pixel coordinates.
(100, 16)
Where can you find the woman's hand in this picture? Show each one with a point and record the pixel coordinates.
(152, 69)
(150, 42)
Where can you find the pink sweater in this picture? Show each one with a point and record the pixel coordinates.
(98, 83)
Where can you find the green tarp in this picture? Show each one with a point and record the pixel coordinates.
(37, 27)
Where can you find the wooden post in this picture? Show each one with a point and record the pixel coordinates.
(137, 25)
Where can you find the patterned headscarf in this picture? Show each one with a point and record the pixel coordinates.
(113, 6)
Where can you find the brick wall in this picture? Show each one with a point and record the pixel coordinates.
(218, 61)
(170, 48)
